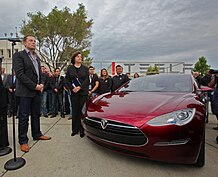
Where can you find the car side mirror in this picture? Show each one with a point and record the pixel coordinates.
(205, 89)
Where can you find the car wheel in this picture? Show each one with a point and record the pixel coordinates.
(201, 157)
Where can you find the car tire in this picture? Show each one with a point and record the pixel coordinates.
(201, 157)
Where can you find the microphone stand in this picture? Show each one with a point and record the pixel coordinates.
(16, 162)
(4, 149)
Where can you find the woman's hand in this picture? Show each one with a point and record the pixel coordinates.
(76, 89)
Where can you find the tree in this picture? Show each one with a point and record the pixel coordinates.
(60, 34)
(152, 70)
(201, 66)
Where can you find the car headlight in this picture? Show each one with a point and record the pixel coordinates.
(179, 118)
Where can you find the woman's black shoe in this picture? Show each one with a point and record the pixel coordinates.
(82, 135)
(73, 134)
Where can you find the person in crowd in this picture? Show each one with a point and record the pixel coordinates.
(4, 77)
(204, 82)
(29, 85)
(93, 82)
(44, 94)
(197, 78)
(68, 104)
(206, 79)
(49, 91)
(214, 84)
(57, 85)
(128, 75)
(136, 75)
(3, 115)
(12, 99)
(77, 81)
(104, 82)
(119, 79)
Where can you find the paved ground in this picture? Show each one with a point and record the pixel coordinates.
(66, 156)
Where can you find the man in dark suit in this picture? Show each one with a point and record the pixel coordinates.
(4, 77)
(3, 116)
(119, 79)
(28, 87)
(93, 82)
(13, 101)
(44, 94)
(57, 85)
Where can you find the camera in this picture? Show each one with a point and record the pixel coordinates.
(213, 71)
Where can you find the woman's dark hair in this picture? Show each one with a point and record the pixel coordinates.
(74, 56)
(106, 72)
(136, 75)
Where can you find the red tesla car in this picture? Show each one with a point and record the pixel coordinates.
(159, 117)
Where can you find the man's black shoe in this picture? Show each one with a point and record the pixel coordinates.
(53, 116)
(45, 115)
(70, 118)
(215, 128)
(82, 135)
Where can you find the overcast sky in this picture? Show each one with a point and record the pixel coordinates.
(139, 30)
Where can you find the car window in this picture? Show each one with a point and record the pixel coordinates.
(160, 83)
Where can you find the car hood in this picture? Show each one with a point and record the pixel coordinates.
(135, 108)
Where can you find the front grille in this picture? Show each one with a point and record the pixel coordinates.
(115, 131)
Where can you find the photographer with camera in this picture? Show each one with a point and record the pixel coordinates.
(214, 84)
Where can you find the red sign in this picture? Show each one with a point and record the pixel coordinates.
(113, 68)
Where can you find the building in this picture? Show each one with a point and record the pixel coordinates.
(6, 52)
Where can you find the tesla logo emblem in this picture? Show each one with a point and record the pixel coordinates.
(103, 123)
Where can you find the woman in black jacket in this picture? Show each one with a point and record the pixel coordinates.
(104, 82)
(77, 80)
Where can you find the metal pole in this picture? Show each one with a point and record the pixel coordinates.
(16, 162)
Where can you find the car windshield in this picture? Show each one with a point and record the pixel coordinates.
(160, 83)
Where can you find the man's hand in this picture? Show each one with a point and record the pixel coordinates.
(56, 90)
(39, 87)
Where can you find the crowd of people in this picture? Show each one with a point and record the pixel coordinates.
(56, 93)
(210, 80)
(36, 91)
